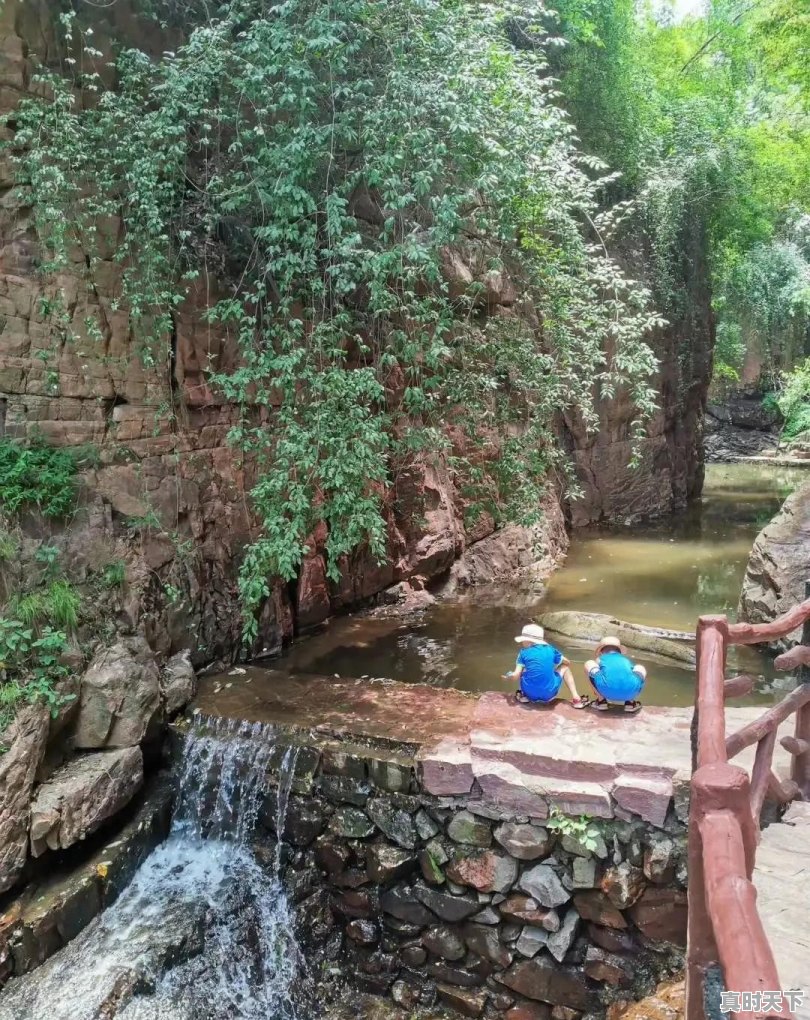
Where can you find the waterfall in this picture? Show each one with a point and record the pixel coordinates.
(203, 931)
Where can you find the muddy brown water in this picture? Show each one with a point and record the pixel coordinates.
(662, 574)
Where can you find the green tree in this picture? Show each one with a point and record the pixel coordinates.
(364, 175)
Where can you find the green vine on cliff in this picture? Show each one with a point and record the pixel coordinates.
(358, 182)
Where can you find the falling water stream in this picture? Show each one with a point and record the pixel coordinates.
(203, 931)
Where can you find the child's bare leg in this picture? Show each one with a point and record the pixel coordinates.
(568, 678)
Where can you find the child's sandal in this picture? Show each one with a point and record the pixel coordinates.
(521, 698)
(580, 702)
(600, 705)
(631, 707)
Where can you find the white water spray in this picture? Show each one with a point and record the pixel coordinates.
(203, 931)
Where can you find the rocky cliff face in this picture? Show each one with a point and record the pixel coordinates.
(167, 495)
(779, 564)
(670, 471)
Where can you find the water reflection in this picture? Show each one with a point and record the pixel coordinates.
(662, 574)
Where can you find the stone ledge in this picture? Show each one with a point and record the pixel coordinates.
(504, 761)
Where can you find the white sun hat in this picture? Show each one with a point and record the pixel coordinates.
(609, 642)
(532, 632)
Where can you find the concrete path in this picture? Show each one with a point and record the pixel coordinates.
(782, 878)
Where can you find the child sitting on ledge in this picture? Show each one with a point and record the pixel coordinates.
(541, 670)
(615, 677)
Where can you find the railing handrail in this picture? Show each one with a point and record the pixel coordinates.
(724, 923)
(762, 633)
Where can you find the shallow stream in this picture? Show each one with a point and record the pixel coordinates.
(661, 574)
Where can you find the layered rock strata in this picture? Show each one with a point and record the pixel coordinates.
(779, 565)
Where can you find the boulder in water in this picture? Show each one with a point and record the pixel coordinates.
(779, 564)
(590, 628)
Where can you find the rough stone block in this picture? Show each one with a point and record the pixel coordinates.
(465, 828)
(444, 943)
(645, 796)
(485, 942)
(486, 872)
(561, 941)
(525, 910)
(623, 884)
(608, 968)
(445, 905)
(525, 842)
(544, 980)
(661, 915)
(463, 1000)
(531, 941)
(387, 863)
(396, 824)
(120, 696)
(392, 776)
(401, 903)
(596, 907)
(81, 795)
(446, 769)
(542, 884)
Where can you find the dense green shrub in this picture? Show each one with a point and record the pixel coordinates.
(327, 159)
(36, 475)
(30, 667)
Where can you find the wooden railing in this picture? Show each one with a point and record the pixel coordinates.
(725, 928)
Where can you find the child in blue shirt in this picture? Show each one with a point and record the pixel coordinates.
(541, 669)
(615, 677)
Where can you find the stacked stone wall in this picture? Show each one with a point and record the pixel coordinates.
(460, 902)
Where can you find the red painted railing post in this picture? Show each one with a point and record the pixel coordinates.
(800, 766)
(701, 951)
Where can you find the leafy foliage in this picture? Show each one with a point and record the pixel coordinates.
(794, 401)
(707, 118)
(362, 176)
(585, 830)
(37, 475)
(114, 574)
(30, 668)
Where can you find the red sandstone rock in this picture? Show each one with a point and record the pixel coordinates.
(463, 1000)
(623, 884)
(486, 872)
(645, 796)
(363, 932)
(354, 904)
(526, 842)
(564, 1013)
(312, 602)
(544, 980)
(485, 942)
(661, 915)
(612, 939)
(332, 857)
(607, 967)
(533, 1011)
(595, 906)
(525, 910)
(446, 770)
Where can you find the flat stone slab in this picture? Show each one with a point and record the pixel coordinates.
(404, 713)
(518, 760)
(782, 878)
